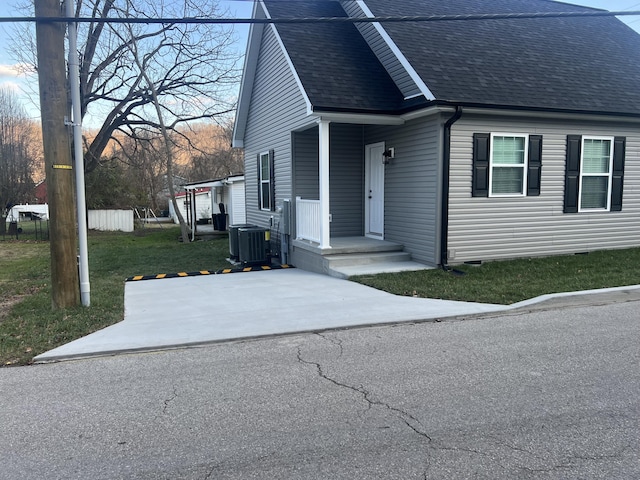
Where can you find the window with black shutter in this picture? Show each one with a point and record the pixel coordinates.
(594, 173)
(506, 165)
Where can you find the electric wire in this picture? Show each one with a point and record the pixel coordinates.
(311, 20)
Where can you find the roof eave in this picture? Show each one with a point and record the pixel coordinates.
(248, 75)
(425, 108)
(522, 110)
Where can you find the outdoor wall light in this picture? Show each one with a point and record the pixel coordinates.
(387, 155)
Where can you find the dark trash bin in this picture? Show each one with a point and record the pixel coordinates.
(220, 219)
(220, 222)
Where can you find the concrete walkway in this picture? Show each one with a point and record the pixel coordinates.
(177, 312)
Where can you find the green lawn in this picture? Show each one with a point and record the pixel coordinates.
(29, 326)
(508, 282)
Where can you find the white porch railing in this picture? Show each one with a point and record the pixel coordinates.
(308, 219)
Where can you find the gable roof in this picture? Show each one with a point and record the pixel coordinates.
(570, 64)
(334, 63)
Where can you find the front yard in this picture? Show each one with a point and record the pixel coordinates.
(29, 326)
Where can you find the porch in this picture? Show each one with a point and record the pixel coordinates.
(349, 256)
(338, 183)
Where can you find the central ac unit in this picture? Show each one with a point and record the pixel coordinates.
(234, 243)
(253, 245)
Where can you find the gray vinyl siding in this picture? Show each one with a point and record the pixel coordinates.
(306, 167)
(386, 57)
(412, 185)
(346, 167)
(501, 228)
(277, 108)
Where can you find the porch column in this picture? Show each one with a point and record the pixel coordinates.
(323, 134)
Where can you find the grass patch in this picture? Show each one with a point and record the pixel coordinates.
(28, 324)
(507, 282)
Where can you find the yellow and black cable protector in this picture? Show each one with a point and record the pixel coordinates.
(253, 268)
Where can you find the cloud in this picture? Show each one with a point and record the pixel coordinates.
(9, 85)
(15, 70)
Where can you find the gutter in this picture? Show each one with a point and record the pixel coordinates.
(414, 111)
(444, 208)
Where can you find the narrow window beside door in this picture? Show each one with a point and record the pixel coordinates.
(266, 190)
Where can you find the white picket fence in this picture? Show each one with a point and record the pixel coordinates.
(308, 219)
(110, 220)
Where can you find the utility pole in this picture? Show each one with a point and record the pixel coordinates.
(57, 155)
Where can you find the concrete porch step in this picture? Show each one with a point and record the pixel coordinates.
(376, 268)
(355, 245)
(350, 256)
(370, 263)
(366, 258)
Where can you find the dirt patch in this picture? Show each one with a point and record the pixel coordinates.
(9, 300)
(7, 303)
(16, 250)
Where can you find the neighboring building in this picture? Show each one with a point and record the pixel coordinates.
(231, 192)
(18, 213)
(40, 192)
(193, 203)
(460, 140)
(205, 198)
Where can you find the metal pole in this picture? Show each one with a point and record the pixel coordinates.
(74, 84)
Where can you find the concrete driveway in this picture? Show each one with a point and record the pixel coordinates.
(175, 312)
(188, 311)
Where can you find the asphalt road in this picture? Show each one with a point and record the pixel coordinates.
(542, 395)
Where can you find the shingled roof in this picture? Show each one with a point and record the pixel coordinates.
(586, 64)
(333, 61)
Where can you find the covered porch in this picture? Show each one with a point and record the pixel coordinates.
(338, 184)
(339, 205)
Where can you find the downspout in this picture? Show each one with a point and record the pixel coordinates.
(444, 211)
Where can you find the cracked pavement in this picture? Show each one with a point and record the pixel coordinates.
(542, 395)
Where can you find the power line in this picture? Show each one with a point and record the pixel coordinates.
(289, 20)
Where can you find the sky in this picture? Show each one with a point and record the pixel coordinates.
(238, 9)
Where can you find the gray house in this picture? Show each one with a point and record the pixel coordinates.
(451, 141)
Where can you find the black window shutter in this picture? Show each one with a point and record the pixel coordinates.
(534, 169)
(259, 185)
(272, 180)
(572, 173)
(619, 147)
(480, 182)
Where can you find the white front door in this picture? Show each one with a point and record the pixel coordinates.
(374, 191)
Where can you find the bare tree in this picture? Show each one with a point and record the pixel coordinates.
(17, 159)
(192, 69)
(143, 62)
(145, 165)
(213, 156)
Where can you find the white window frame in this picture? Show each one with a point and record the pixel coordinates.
(611, 141)
(264, 182)
(525, 164)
